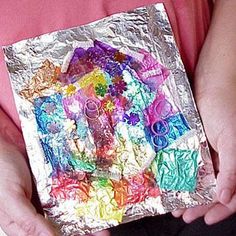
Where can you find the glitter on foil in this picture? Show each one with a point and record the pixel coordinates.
(177, 169)
(43, 80)
(109, 106)
(114, 135)
(101, 203)
(101, 90)
(66, 187)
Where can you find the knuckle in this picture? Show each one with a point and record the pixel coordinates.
(228, 175)
(9, 224)
(231, 176)
(28, 227)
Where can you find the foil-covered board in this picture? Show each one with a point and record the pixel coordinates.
(110, 124)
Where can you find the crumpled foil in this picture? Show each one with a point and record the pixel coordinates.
(109, 120)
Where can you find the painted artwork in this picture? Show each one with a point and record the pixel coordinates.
(109, 121)
(107, 132)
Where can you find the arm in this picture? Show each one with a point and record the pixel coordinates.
(216, 67)
(215, 93)
(215, 85)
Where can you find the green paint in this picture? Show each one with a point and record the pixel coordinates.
(103, 182)
(176, 169)
(82, 165)
(101, 89)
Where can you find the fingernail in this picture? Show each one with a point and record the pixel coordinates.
(44, 234)
(187, 219)
(177, 213)
(225, 196)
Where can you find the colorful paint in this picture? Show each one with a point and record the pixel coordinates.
(107, 130)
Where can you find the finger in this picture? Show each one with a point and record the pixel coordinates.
(220, 212)
(25, 216)
(226, 178)
(192, 214)
(9, 226)
(102, 233)
(178, 213)
(225, 187)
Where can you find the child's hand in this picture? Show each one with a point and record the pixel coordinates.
(218, 111)
(17, 214)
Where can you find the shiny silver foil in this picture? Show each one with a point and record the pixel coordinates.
(145, 28)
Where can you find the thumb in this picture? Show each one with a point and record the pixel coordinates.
(226, 178)
(19, 217)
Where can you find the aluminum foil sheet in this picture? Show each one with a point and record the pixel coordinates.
(109, 120)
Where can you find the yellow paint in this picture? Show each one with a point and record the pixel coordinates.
(109, 106)
(101, 204)
(95, 77)
(70, 90)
